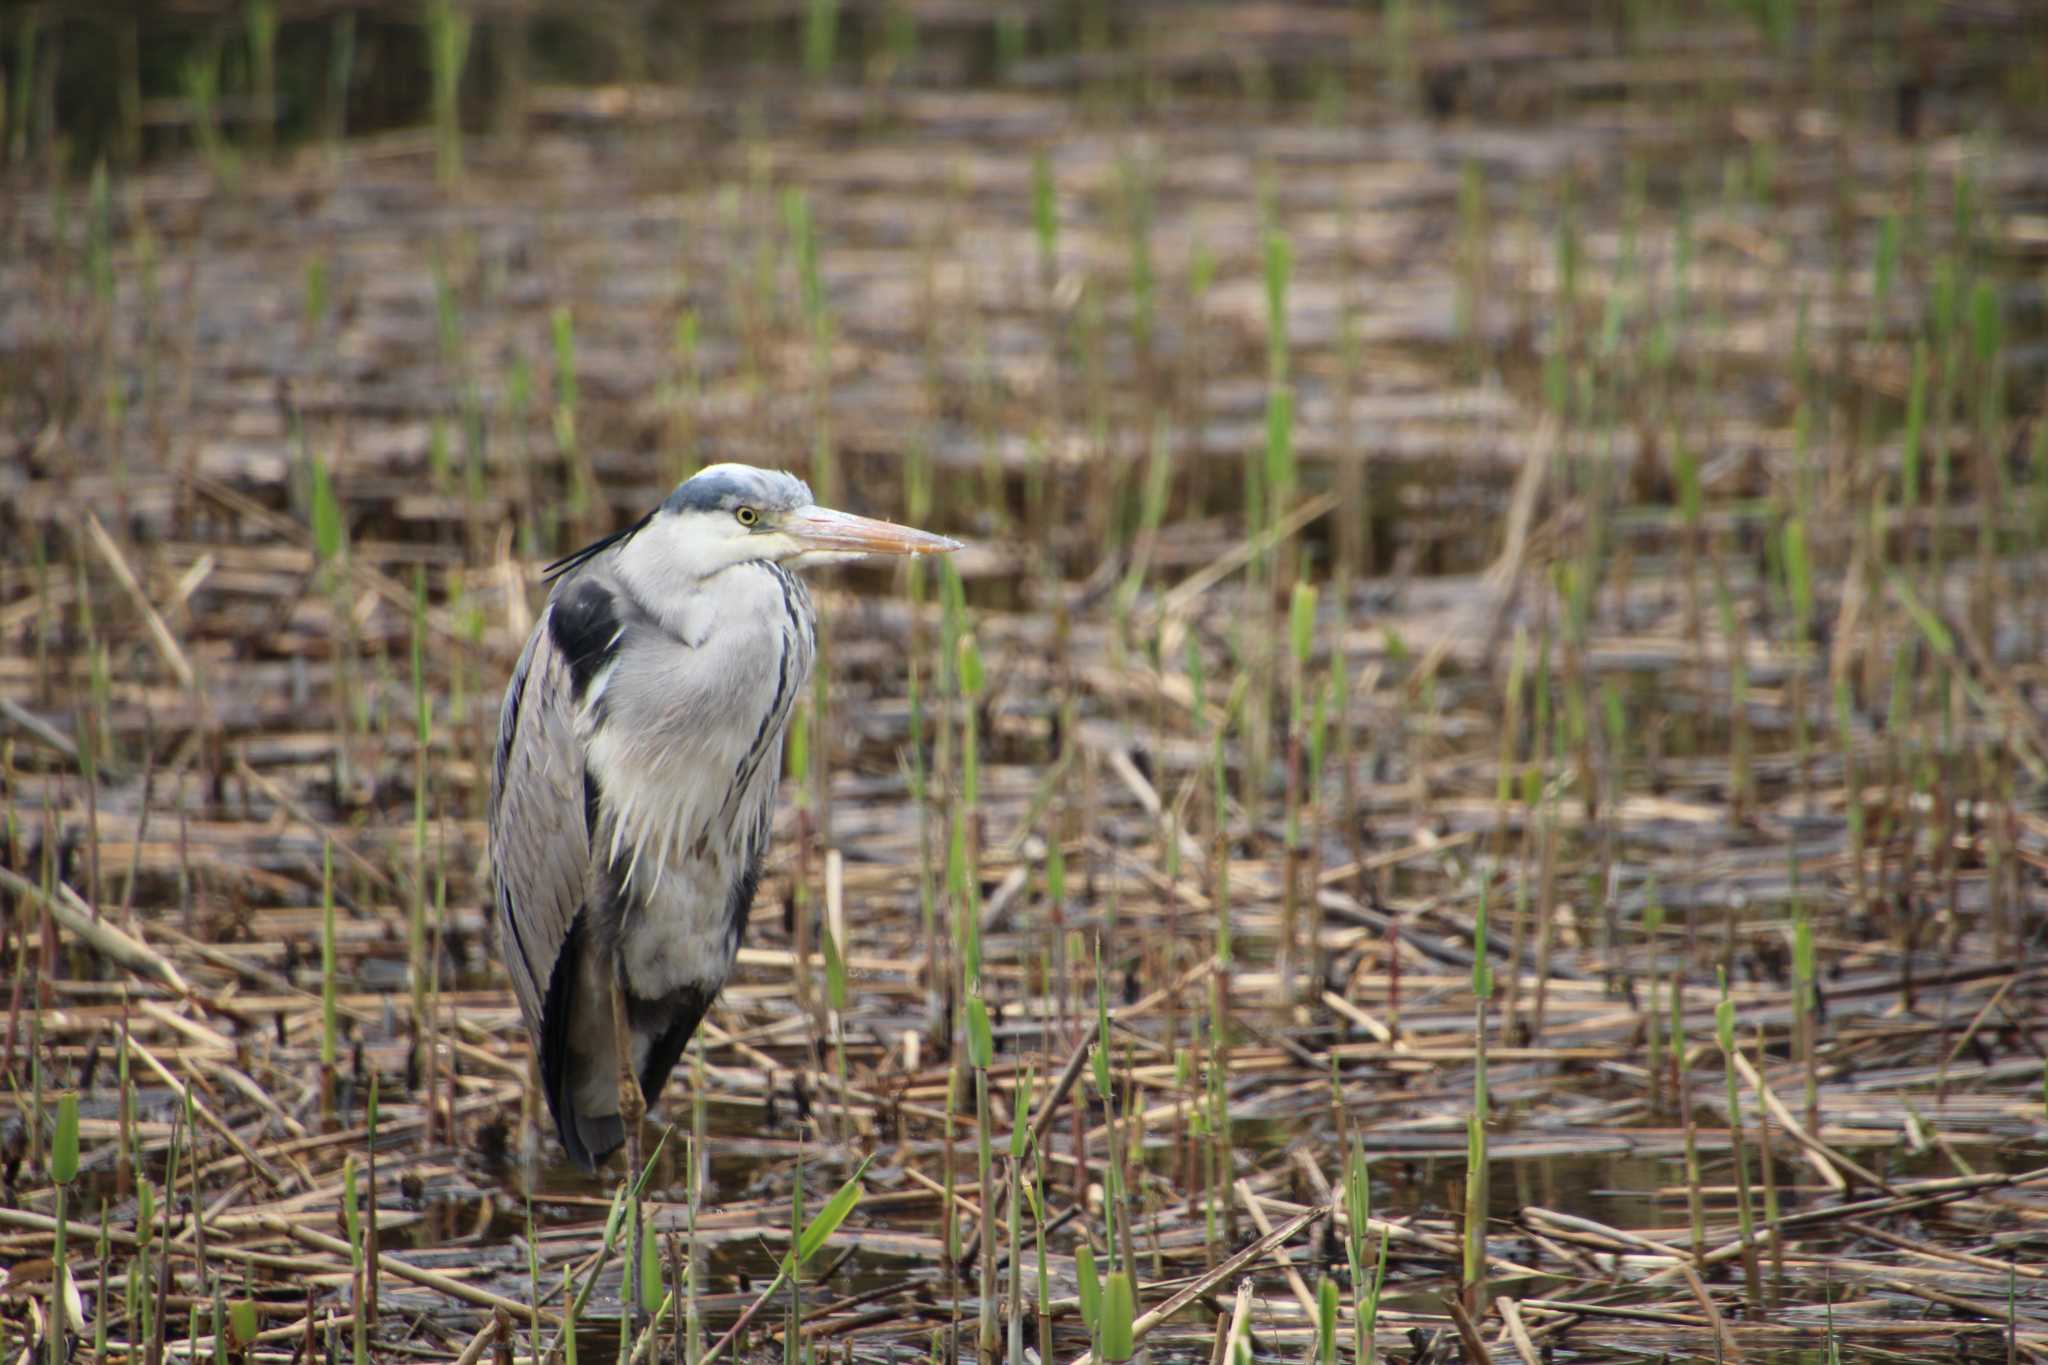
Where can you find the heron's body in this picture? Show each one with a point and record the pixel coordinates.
(638, 753)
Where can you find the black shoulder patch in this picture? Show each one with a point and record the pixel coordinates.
(584, 625)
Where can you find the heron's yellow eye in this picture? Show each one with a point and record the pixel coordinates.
(747, 515)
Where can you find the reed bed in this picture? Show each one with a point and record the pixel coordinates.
(1477, 794)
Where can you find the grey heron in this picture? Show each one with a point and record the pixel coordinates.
(639, 747)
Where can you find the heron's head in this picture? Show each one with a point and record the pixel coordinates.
(733, 513)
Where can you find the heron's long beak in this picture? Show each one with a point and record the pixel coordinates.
(821, 528)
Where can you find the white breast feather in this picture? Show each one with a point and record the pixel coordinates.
(681, 720)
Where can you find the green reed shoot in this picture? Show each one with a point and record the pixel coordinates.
(416, 926)
(1473, 257)
(242, 1325)
(971, 682)
(1682, 1057)
(981, 1056)
(39, 1109)
(1301, 640)
(352, 1223)
(1151, 514)
(835, 985)
(1724, 1033)
(447, 313)
(647, 1288)
(1036, 1188)
(1301, 636)
(1947, 310)
(1263, 501)
(1119, 1313)
(1326, 1323)
(366, 1309)
(1219, 773)
(1358, 1228)
(699, 1168)
(1045, 220)
(437, 453)
(1884, 271)
(260, 19)
(1279, 467)
(219, 1324)
(1475, 1131)
(1799, 585)
(1369, 1299)
(570, 1312)
(796, 761)
(102, 1267)
(1851, 785)
(1137, 213)
(1770, 1174)
(1912, 436)
(1091, 1292)
(448, 29)
(1319, 728)
(200, 77)
(1116, 1201)
(532, 1277)
(949, 1214)
(899, 43)
(330, 534)
(99, 265)
(329, 1042)
(919, 791)
(1804, 1008)
(804, 1245)
(63, 1171)
(140, 1302)
(967, 926)
(803, 247)
(183, 1156)
(821, 37)
(1317, 743)
(1653, 925)
(1020, 1135)
(1744, 784)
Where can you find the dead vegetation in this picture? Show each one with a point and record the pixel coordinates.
(1506, 582)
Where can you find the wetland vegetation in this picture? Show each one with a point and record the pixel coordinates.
(1477, 794)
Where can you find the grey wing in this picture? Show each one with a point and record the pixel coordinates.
(540, 845)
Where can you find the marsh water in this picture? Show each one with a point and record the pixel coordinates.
(1650, 397)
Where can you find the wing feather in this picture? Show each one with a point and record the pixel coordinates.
(540, 846)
